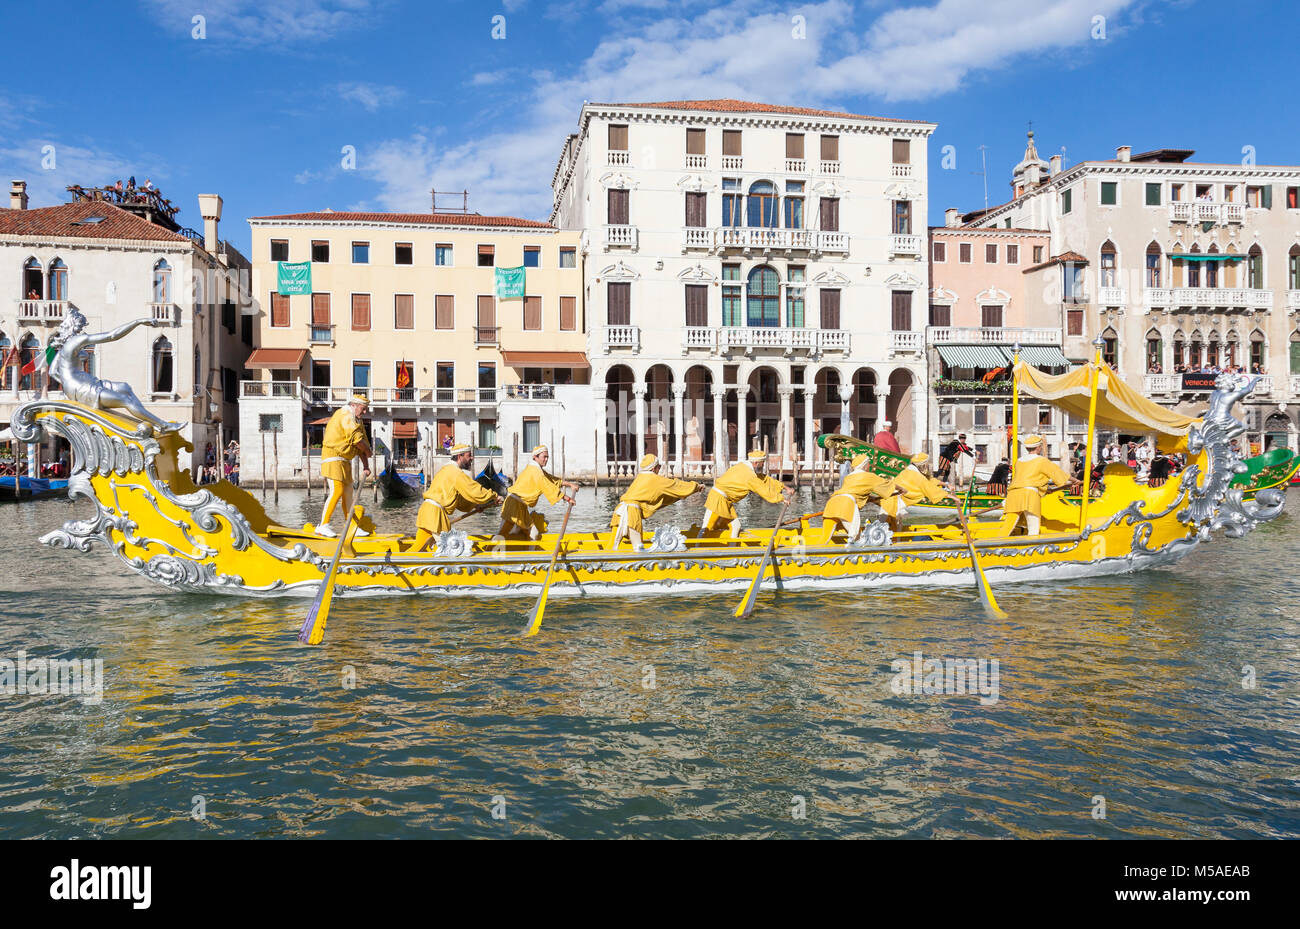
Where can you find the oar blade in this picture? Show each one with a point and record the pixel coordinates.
(986, 594)
(535, 617)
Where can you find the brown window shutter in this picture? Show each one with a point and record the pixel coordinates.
(1013, 254)
(569, 313)
(618, 207)
(695, 141)
(991, 317)
(963, 252)
(696, 208)
(902, 152)
(320, 309)
(487, 249)
(403, 311)
(830, 210)
(445, 311)
(902, 311)
(991, 254)
(731, 141)
(618, 138)
(620, 304)
(487, 312)
(697, 305)
(940, 314)
(830, 148)
(279, 310)
(361, 311)
(532, 312)
(830, 309)
(794, 145)
(939, 251)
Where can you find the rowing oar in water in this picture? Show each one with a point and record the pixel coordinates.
(313, 627)
(981, 582)
(535, 617)
(751, 597)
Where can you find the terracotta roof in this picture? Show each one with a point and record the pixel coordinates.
(978, 230)
(1062, 258)
(68, 220)
(743, 106)
(428, 219)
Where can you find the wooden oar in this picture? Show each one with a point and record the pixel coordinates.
(313, 627)
(751, 597)
(981, 582)
(535, 617)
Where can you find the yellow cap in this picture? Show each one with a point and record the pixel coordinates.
(359, 398)
(648, 462)
(458, 448)
(859, 460)
(1032, 440)
(539, 449)
(758, 455)
(919, 458)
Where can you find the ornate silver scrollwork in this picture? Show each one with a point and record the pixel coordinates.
(454, 543)
(873, 535)
(667, 540)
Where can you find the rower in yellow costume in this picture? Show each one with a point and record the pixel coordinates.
(1031, 476)
(737, 483)
(450, 490)
(533, 483)
(345, 439)
(649, 492)
(844, 509)
(915, 488)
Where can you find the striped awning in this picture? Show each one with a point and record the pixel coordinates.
(973, 356)
(1043, 356)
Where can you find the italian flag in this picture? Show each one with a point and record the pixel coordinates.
(39, 360)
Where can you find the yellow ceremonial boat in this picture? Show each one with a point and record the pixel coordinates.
(218, 539)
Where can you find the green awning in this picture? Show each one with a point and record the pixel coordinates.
(1043, 356)
(973, 356)
(1208, 257)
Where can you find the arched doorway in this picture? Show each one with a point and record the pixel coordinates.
(899, 411)
(659, 428)
(620, 411)
(1277, 431)
(763, 412)
(863, 407)
(698, 435)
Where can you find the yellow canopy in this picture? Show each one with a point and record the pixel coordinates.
(1118, 404)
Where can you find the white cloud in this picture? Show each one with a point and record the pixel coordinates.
(50, 166)
(254, 22)
(370, 96)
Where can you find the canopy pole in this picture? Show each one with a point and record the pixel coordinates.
(1092, 430)
(1015, 410)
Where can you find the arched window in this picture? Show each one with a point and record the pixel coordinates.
(1153, 265)
(1212, 269)
(1195, 350)
(1255, 268)
(86, 359)
(28, 349)
(764, 300)
(1212, 349)
(1258, 353)
(162, 366)
(198, 368)
(1295, 352)
(1155, 352)
(1180, 351)
(54, 382)
(1293, 269)
(1194, 268)
(162, 282)
(1108, 263)
(58, 289)
(33, 280)
(762, 205)
(6, 369)
(1110, 348)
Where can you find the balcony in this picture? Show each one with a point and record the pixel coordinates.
(321, 335)
(262, 390)
(528, 392)
(900, 341)
(762, 238)
(830, 167)
(900, 171)
(905, 245)
(486, 335)
(619, 158)
(41, 310)
(749, 339)
(941, 335)
(1264, 387)
(1295, 385)
(1293, 300)
(1111, 296)
(1162, 383)
(1206, 211)
(733, 162)
(697, 237)
(411, 398)
(697, 161)
(1209, 297)
(623, 337)
(796, 166)
(705, 337)
(166, 312)
(621, 236)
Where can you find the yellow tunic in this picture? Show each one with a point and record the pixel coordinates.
(344, 437)
(737, 483)
(451, 489)
(650, 492)
(532, 484)
(1031, 475)
(915, 487)
(853, 493)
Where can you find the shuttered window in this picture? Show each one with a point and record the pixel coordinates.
(487, 256)
(1013, 254)
(963, 252)
(444, 315)
(361, 311)
(830, 214)
(902, 152)
(320, 309)
(403, 311)
(940, 252)
(532, 312)
(568, 314)
(695, 141)
(619, 303)
(794, 145)
(731, 141)
(830, 148)
(940, 314)
(991, 254)
(487, 312)
(991, 317)
(830, 306)
(697, 305)
(901, 311)
(618, 208)
(618, 138)
(696, 208)
(279, 310)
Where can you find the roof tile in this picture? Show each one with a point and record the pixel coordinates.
(68, 220)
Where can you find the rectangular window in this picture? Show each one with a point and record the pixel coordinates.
(696, 207)
(532, 312)
(320, 311)
(1038, 254)
(568, 314)
(794, 294)
(981, 416)
(618, 138)
(1293, 198)
(963, 252)
(1153, 194)
(442, 256)
(731, 142)
(279, 249)
(991, 317)
(1013, 254)
(532, 256)
(320, 251)
(1073, 322)
(1175, 193)
(444, 312)
(403, 253)
(902, 151)
(1109, 193)
(697, 305)
(445, 372)
(228, 316)
(618, 207)
(246, 330)
(830, 148)
(361, 253)
(487, 256)
(940, 251)
(695, 141)
(1066, 197)
(487, 312)
(991, 254)
(794, 145)
(941, 314)
(619, 303)
(361, 374)
(361, 312)
(730, 296)
(830, 309)
(793, 204)
(901, 311)
(403, 311)
(830, 214)
(568, 258)
(902, 217)
(279, 311)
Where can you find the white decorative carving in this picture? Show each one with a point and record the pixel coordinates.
(903, 279)
(619, 272)
(618, 180)
(699, 274)
(831, 278)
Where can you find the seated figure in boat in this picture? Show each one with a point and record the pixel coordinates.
(998, 480)
(737, 483)
(84, 387)
(345, 440)
(647, 493)
(843, 512)
(914, 488)
(451, 489)
(534, 482)
(1033, 474)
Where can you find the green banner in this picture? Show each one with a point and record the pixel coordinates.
(293, 277)
(510, 282)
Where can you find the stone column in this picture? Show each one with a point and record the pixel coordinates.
(719, 431)
(786, 424)
(742, 427)
(809, 431)
(642, 418)
(846, 395)
(601, 426)
(679, 428)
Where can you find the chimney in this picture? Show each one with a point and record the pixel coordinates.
(952, 217)
(18, 195)
(1056, 165)
(210, 210)
(1123, 152)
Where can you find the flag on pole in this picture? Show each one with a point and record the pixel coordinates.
(403, 376)
(11, 357)
(40, 359)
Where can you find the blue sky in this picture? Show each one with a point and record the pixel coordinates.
(260, 108)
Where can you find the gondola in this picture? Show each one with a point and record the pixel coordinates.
(31, 488)
(395, 485)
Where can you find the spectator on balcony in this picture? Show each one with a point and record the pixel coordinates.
(33, 295)
(1155, 368)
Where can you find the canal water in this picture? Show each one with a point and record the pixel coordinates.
(1168, 701)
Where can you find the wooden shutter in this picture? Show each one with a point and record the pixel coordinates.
(618, 207)
(696, 208)
(991, 317)
(697, 305)
(731, 141)
(830, 148)
(487, 312)
(963, 252)
(794, 145)
(618, 138)
(902, 151)
(1013, 254)
(940, 314)
(830, 210)
(444, 311)
(991, 254)
(902, 311)
(403, 311)
(532, 312)
(279, 310)
(830, 304)
(619, 303)
(320, 309)
(487, 256)
(361, 311)
(695, 141)
(568, 313)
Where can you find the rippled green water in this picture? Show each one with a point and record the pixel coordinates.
(1129, 688)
